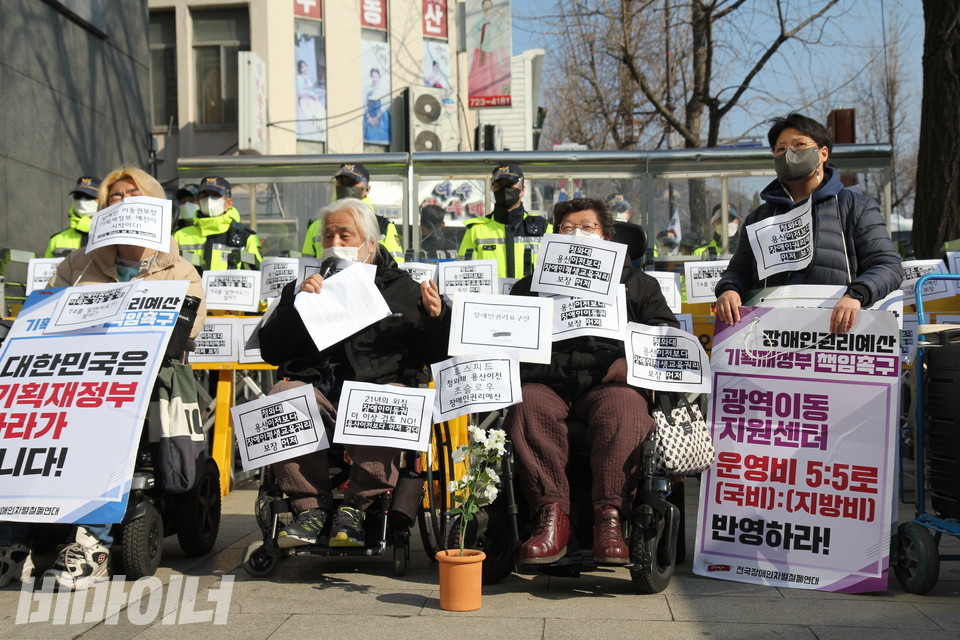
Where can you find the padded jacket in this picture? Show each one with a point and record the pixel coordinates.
(579, 364)
(851, 244)
(393, 349)
(98, 267)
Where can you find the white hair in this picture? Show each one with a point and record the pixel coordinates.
(363, 217)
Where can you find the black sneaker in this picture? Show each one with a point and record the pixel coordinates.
(305, 529)
(347, 531)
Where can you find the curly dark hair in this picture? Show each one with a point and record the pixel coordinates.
(562, 209)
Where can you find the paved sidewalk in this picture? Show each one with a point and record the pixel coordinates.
(314, 597)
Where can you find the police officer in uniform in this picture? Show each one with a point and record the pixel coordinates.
(353, 181)
(509, 234)
(83, 207)
(216, 231)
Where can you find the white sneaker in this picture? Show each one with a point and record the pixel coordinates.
(82, 564)
(15, 563)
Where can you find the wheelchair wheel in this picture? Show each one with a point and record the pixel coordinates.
(401, 553)
(918, 563)
(652, 568)
(198, 513)
(434, 519)
(142, 544)
(258, 562)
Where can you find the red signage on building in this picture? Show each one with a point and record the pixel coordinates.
(373, 14)
(435, 18)
(308, 8)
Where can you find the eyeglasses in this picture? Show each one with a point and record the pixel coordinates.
(589, 227)
(796, 144)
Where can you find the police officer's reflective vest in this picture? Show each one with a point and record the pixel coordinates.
(486, 239)
(71, 238)
(389, 237)
(213, 239)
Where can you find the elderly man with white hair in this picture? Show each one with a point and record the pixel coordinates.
(390, 351)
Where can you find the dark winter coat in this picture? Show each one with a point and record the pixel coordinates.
(851, 244)
(392, 350)
(579, 364)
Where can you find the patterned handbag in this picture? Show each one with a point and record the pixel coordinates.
(682, 437)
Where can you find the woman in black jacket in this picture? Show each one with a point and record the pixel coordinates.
(390, 351)
(851, 246)
(586, 379)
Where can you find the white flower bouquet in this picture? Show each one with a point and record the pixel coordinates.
(478, 486)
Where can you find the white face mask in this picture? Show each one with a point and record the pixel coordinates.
(212, 207)
(350, 254)
(580, 233)
(85, 207)
(188, 210)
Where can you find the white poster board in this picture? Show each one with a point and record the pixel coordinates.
(573, 317)
(218, 341)
(248, 350)
(913, 270)
(783, 242)
(274, 274)
(232, 289)
(89, 305)
(669, 282)
(577, 266)
(278, 427)
(805, 427)
(420, 271)
(383, 415)
(40, 271)
(467, 276)
(666, 359)
(517, 324)
(72, 406)
(701, 278)
(475, 384)
(142, 221)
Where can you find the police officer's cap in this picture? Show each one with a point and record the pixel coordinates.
(216, 184)
(617, 203)
(188, 191)
(510, 172)
(86, 186)
(355, 171)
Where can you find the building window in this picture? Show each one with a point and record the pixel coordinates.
(163, 70)
(218, 34)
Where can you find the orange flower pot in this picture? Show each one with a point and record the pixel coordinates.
(460, 579)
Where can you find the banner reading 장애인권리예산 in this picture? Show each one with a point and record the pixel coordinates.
(804, 425)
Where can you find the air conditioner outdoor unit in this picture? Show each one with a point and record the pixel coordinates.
(432, 120)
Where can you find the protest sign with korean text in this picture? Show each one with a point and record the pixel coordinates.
(274, 274)
(39, 273)
(506, 285)
(573, 317)
(576, 266)
(420, 271)
(913, 270)
(278, 427)
(384, 415)
(783, 242)
(666, 359)
(218, 340)
(232, 289)
(804, 422)
(142, 221)
(474, 383)
(519, 324)
(60, 459)
(701, 278)
(467, 276)
(669, 282)
(88, 306)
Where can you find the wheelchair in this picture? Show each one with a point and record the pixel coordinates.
(653, 530)
(387, 522)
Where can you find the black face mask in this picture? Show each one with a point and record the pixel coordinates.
(356, 191)
(506, 197)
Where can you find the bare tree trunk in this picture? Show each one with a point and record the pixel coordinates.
(938, 159)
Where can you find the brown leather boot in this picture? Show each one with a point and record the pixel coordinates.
(608, 544)
(548, 542)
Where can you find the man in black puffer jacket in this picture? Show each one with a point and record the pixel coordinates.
(586, 378)
(851, 245)
(390, 351)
